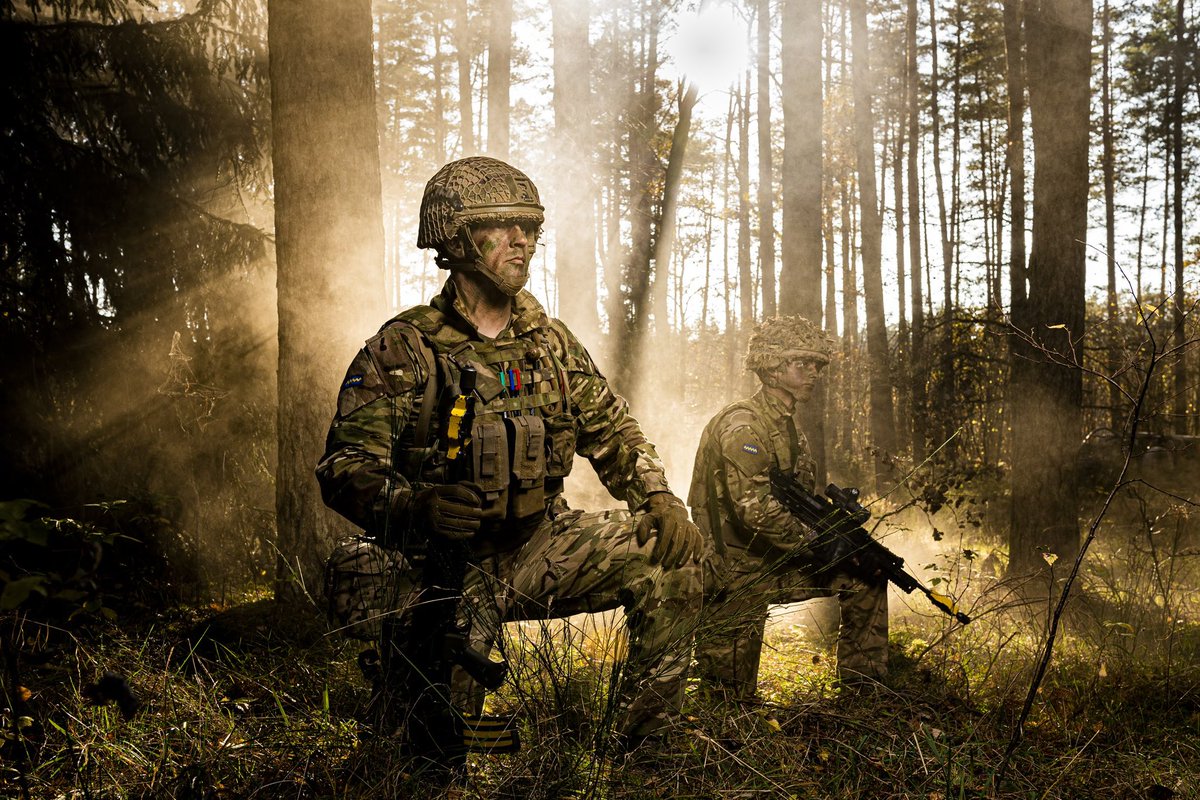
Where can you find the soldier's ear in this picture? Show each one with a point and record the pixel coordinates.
(455, 249)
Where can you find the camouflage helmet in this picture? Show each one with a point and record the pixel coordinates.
(472, 191)
(775, 340)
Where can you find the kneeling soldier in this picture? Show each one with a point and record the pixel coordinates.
(455, 428)
(759, 553)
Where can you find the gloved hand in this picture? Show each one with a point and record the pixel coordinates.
(679, 540)
(451, 511)
(832, 548)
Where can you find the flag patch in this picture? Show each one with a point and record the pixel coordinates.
(352, 380)
(752, 449)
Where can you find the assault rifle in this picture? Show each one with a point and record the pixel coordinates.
(838, 520)
(421, 648)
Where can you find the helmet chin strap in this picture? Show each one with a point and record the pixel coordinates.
(473, 260)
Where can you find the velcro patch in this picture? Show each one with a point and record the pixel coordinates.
(751, 458)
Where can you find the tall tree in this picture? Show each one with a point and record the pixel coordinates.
(575, 195)
(745, 277)
(329, 247)
(645, 176)
(664, 239)
(915, 204)
(1108, 167)
(1045, 388)
(883, 432)
(1014, 73)
(1183, 59)
(766, 180)
(803, 119)
(464, 47)
(499, 77)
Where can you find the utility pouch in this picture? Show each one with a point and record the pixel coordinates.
(527, 493)
(489, 465)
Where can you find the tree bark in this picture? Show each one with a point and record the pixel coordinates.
(803, 175)
(766, 181)
(1047, 396)
(745, 277)
(1180, 53)
(499, 76)
(664, 240)
(883, 425)
(915, 204)
(575, 193)
(1108, 165)
(463, 50)
(329, 249)
(645, 173)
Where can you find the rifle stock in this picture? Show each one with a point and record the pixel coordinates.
(839, 514)
(421, 649)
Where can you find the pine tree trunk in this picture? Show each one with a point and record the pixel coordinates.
(575, 190)
(1046, 397)
(800, 278)
(644, 175)
(766, 180)
(1108, 164)
(1181, 51)
(439, 93)
(903, 410)
(499, 76)
(745, 277)
(462, 48)
(732, 339)
(329, 250)
(883, 426)
(915, 204)
(668, 205)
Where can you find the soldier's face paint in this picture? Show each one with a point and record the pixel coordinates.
(798, 376)
(504, 253)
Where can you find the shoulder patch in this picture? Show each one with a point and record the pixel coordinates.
(744, 449)
(361, 385)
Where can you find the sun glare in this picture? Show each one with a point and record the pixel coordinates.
(711, 48)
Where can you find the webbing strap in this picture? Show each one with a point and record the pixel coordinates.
(428, 399)
(522, 402)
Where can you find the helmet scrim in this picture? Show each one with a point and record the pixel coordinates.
(776, 340)
(475, 191)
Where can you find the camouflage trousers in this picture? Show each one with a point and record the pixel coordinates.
(740, 587)
(575, 563)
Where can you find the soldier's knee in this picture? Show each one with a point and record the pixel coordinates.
(684, 583)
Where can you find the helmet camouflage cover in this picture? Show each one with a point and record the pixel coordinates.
(775, 340)
(472, 191)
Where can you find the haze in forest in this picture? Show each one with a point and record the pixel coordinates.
(158, 223)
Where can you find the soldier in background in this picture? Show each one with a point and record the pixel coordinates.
(759, 553)
(539, 400)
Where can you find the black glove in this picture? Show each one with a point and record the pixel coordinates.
(679, 540)
(451, 511)
(833, 548)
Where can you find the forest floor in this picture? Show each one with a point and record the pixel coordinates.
(252, 701)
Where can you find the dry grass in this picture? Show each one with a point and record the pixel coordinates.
(271, 710)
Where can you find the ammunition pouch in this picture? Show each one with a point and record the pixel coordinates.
(527, 493)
